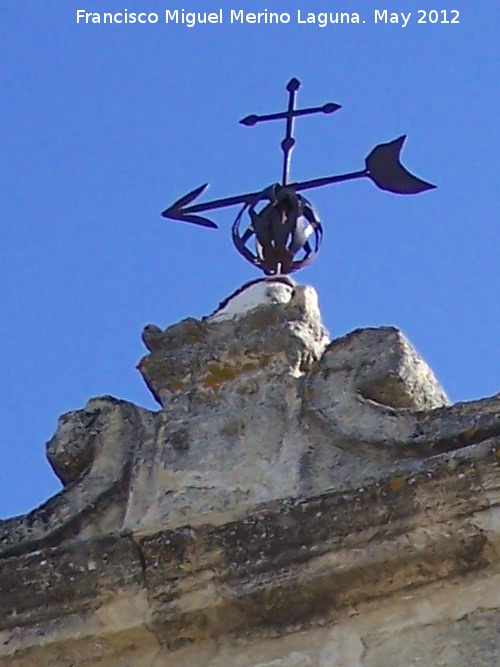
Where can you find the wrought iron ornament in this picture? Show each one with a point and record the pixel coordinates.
(286, 227)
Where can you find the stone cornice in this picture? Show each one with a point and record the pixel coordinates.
(291, 562)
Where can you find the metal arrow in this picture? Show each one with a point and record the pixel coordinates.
(383, 167)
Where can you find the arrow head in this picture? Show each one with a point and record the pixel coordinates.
(178, 210)
(387, 172)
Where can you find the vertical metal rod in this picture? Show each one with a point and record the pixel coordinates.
(289, 142)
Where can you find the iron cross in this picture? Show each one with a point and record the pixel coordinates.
(289, 115)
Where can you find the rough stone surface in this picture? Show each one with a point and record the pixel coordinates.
(293, 502)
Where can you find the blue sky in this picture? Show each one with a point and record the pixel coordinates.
(103, 126)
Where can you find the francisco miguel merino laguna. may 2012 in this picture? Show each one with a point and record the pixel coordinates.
(239, 16)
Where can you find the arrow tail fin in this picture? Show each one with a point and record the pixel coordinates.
(387, 172)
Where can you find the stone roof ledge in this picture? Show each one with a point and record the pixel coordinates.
(286, 482)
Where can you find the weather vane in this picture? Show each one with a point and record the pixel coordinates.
(286, 227)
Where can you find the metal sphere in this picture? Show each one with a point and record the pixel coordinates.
(286, 229)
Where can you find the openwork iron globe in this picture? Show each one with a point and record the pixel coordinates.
(286, 231)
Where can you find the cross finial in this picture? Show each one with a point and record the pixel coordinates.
(289, 115)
